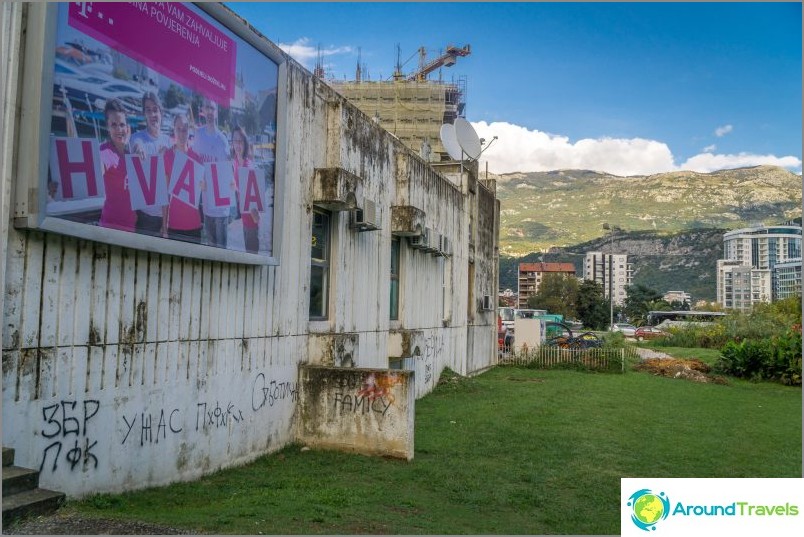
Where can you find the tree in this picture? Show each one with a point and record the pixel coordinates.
(557, 293)
(640, 300)
(592, 308)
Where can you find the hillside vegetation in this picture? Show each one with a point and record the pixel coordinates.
(683, 261)
(672, 224)
(562, 208)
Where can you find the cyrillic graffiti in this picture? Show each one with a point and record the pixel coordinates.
(172, 423)
(64, 419)
(209, 416)
(264, 392)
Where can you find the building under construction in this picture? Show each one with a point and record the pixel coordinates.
(411, 107)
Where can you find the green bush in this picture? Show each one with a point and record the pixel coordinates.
(772, 320)
(776, 358)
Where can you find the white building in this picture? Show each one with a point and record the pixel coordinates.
(748, 273)
(612, 271)
(787, 279)
(159, 361)
(677, 296)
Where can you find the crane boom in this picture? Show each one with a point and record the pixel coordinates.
(445, 60)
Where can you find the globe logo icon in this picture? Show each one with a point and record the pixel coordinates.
(648, 508)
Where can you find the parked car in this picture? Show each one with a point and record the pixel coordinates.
(628, 330)
(649, 332)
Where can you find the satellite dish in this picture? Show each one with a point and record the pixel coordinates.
(450, 141)
(467, 138)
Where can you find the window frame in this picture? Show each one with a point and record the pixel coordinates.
(324, 264)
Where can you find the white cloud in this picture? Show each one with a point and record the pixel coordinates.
(709, 148)
(521, 150)
(306, 54)
(708, 162)
(720, 132)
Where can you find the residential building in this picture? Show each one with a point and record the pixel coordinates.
(531, 275)
(677, 296)
(748, 273)
(787, 279)
(612, 271)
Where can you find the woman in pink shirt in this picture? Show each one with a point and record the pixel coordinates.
(116, 212)
(183, 220)
(251, 220)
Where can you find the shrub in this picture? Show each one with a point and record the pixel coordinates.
(776, 358)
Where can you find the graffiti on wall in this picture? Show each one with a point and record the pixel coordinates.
(147, 433)
(65, 422)
(264, 392)
(374, 395)
(433, 347)
(67, 425)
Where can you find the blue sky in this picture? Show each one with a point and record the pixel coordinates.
(627, 88)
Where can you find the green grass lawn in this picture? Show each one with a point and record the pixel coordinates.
(512, 451)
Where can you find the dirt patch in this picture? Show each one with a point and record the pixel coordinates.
(694, 370)
(66, 523)
(524, 380)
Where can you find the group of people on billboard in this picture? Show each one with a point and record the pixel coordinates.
(121, 160)
(189, 186)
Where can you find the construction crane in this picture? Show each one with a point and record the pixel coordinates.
(445, 60)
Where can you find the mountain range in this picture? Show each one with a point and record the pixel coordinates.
(671, 224)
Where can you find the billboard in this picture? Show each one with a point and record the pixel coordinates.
(163, 126)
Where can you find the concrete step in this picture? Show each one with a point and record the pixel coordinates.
(16, 479)
(31, 502)
(8, 456)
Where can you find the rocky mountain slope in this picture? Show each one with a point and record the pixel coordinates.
(684, 261)
(672, 223)
(566, 207)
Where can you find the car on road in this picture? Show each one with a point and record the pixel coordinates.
(649, 332)
(628, 330)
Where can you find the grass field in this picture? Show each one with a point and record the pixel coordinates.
(512, 451)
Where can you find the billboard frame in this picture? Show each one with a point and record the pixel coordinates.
(34, 131)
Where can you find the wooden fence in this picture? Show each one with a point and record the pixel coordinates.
(545, 357)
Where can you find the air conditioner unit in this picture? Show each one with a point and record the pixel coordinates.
(365, 218)
(435, 245)
(487, 305)
(419, 242)
(446, 246)
(432, 241)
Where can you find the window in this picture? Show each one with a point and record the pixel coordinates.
(394, 310)
(319, 265)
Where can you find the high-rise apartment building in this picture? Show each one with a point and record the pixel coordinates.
(612, 271)
(759, 265)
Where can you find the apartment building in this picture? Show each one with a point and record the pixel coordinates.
(754, 260)
(531, 275)
(612, 271)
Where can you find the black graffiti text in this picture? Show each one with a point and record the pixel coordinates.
(264, 392)
(346, 403)
(149, 430)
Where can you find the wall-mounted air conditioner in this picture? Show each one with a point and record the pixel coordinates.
(446, 246)
(419, 242)
(432, 241)
(486, 304)
(435, 245)
(365, 218)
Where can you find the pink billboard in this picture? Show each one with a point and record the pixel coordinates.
(163, 124)
(167, 37)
